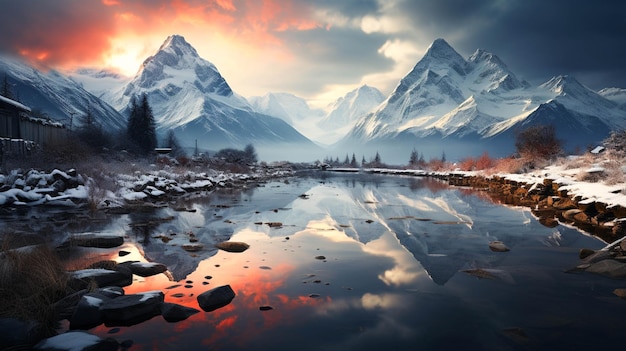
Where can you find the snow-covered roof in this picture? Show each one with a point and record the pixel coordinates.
(14, 103)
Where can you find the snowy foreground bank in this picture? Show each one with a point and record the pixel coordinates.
(69, 188)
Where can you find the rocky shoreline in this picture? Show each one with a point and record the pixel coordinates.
(549, 202)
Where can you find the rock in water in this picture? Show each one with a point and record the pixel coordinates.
(232, 246)
(132, 309)
(498, 246)
(216, 298)
(172, 312)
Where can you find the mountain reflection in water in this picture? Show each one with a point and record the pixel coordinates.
(367, 262)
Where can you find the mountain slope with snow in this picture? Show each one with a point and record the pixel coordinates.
(288, 107)
(349, 108)
(464, 107)
(57, 96)
(189, 96)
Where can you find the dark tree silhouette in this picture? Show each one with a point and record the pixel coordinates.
(141, 127)
(414, 158)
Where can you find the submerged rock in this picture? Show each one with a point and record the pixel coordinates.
(498, 246)
(216, 298)
(609, 267)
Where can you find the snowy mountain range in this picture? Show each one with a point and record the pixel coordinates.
(56, 96)
(445, 104)
(465, 107)
(324, 127)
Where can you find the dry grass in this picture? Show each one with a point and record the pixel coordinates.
(32, 279)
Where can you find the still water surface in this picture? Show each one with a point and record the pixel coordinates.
(391, 276)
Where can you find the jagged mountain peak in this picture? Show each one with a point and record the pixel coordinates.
(177, 66)
(489, 73)
(441, 50)
(563, 84)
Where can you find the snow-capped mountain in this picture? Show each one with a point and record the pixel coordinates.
(288, 107)
(616, 95)
(57, 96)
(464, 107)
(189, 96)
(98, 81)
(349, 108)
(325, 127)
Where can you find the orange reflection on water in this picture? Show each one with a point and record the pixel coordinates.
(257, 277)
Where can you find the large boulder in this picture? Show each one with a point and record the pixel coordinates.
(216, 298)
(132, 309)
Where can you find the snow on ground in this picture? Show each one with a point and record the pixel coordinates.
(611, 195)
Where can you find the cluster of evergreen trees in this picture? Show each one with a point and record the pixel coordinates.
(141, 130)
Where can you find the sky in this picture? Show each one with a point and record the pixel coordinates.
(321, 49)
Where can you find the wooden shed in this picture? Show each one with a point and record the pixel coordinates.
(16, 125)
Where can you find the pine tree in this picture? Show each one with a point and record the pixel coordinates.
(141, 127)
(353, 162)
(377, 160)
(172, 143)
(363, 162)
(346, 161)
(414, 159)
(90, 131)
(250, 154)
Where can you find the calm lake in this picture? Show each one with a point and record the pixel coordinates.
(365, 262)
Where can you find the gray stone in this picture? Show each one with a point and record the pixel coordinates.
(216, 298)
(102, 277)
(77, 341)
(132, 309)
(87, 312)
(172, 312)
(147, 269)
(498, 246)
(232, 246)
(609, 267)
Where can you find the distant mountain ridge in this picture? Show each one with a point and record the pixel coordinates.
(57, 96)
(465, 107)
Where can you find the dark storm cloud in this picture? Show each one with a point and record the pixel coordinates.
(338, 56)
(54, 31)
(536, 38)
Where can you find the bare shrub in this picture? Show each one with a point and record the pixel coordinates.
(537, 144)
(508, 165)
(485, 161)
(467, 164)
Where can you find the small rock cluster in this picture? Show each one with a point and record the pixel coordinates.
(33, 187)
